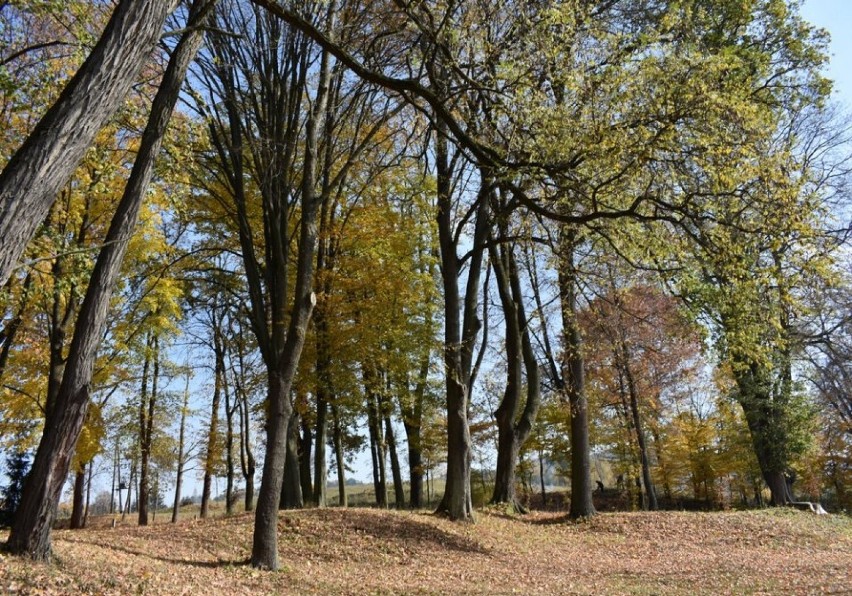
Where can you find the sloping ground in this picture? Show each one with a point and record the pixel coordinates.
(360, 551)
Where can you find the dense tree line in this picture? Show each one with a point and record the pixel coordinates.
(607, 235)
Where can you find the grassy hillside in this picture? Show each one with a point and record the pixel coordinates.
(357, 551)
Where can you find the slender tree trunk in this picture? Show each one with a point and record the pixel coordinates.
(412, 421)
(130, 482)
(88, 493)
(644, 459)
(507, 412)
(377, 446)
(305, 448)
(320, 464)
(10, 329)
(513, 430)
(181, 446)
(212, 451)
(247, 461)
(581, 466)
(229, 450)
(390, 440)
(146, 414)
(79, 488)
(116, 478)
(33, 176)
(291, 489)
(30, 533)
(339, 457)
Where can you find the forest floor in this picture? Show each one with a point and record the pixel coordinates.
(367, 551)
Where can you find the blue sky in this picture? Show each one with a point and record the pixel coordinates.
(836, 17)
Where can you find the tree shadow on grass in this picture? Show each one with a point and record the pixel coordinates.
(406, 531)
(171, 560)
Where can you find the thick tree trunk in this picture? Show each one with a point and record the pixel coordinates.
(767, 431)
(265, 545)
(47, 159)
(31, 532)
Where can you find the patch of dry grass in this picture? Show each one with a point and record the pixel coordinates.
(358, 551)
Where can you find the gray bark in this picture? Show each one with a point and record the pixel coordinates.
(31, 532)
(47, 159)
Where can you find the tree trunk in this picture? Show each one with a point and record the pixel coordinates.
(265, 545)
(79, 491)
(377, 446)
(324, 391)
(650, 493)
(291, 488)
(507, 412)
(265, 542)
(305, 447)
(181, 446)
(116, 478)
(513, 430)
(581, 466)
(88, 494)
(339, 458)
(229, 450)
(48, 157)
(390, 440)
(412, 421)
(320, 465)
(211, 454)
(247, 461)
(30, 533)
(146, 415)
(459, 336)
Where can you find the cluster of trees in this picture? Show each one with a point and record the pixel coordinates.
(544, 227)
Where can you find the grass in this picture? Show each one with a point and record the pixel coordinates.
(364, 551)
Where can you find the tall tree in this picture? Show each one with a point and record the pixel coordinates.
(43, 164)
(31, 531)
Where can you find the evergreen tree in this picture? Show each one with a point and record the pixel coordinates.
(17, 468)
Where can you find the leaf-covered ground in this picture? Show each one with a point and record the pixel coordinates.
(363, 551)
